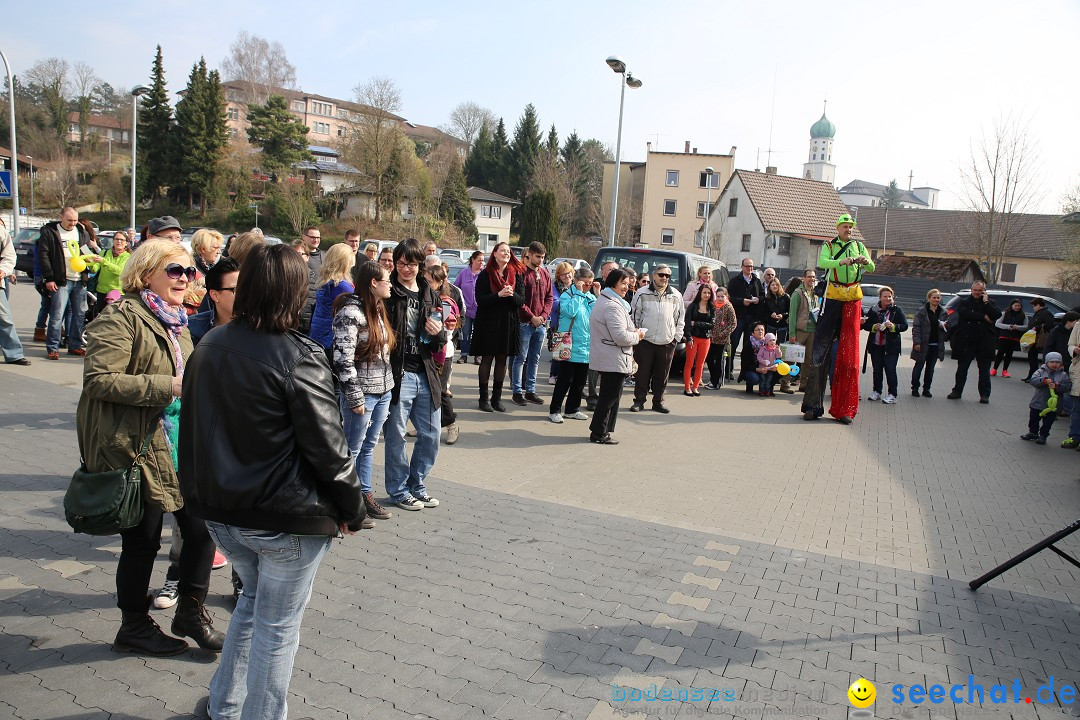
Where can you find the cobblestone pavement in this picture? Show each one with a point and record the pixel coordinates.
(728, 547)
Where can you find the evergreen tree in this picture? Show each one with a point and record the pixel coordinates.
(892, 196)
(217, 132)
(282, 136)
(524, 151)
(200, 133)
(155, 144)
(455, 206)
(540, 221)
(500, 179)
(552, 144)
(480, 165)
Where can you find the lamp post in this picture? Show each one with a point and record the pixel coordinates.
(708, 206)
(14, 151)
(135, 93)
(619, 67)
(31, 159)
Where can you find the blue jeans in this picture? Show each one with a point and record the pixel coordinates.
(406, 477)
(277, 569)
(362, 433)
(76, 313)
(752, 378)
(768, 382)
(52, 305)
(466, 334)
(9, 339)
(529, 346)
(1074, 418)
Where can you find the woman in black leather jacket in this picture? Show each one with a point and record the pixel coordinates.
(263, 459)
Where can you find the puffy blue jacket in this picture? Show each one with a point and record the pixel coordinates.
(576, 306)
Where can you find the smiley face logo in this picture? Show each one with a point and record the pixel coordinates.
(862, 693)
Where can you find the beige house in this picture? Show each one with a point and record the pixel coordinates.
(663, 200)
(492, 217)
(105, 127)
(1032, 260)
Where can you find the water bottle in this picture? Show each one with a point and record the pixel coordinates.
(436, 314)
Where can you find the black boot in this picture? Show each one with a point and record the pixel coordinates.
(193, 621)
(484, 404)
(496, 399)
(140, 634)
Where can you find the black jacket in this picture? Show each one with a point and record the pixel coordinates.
(699, 324)
(780, 304)
(975, 332)
(309, 304)
(261, 439)
(50, 252)
(892, 337)
(739, 290)
(397, 311)
(1058, 341)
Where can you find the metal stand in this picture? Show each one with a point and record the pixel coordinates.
(1042, 545)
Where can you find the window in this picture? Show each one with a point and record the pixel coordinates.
(321, 108)
(232, 113)
(669, 207)
(496, 212)
(702, 210)
(699, 239)
(298, 106)
(814, 156)
(672, 178)
(342, 131)
(706, 180)
(745, 242)
(342, 114)
(733, 207)
(667, 236)
(485, 211)
(233, 132)
(321, 128)
(1008, 272)
(783, 246)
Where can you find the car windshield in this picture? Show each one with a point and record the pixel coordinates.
(646, 263)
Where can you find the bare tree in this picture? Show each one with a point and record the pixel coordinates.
(378, 133)
(260, 65)
(61, 186)
(49, 83)
(466, 120)
(1001, 184)
(85, 81)
(1067, 276)
(295, 199)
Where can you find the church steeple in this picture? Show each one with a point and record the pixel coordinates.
(818, 164)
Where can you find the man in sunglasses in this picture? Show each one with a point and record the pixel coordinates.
(658, 308)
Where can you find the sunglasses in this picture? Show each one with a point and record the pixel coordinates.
(663, 275)
(175, 270)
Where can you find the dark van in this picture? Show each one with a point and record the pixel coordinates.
(684, 266)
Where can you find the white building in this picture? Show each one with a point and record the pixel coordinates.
(819, 165)
(492, 217)
(860, 193)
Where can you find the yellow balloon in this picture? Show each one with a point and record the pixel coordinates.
(77, 264)
(783, 368)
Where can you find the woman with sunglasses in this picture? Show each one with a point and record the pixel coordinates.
(132, 377)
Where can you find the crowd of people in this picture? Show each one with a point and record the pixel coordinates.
(251, 384)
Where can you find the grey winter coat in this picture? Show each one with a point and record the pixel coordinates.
(611, 336)
(1042, 392)
(920, 333)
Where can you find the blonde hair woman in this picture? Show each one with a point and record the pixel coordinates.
(242, 244)
(132, 380)
(335, 277)
(206, 245)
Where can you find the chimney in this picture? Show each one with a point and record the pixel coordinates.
(731, 152)
(695, 151)
(686, 149)
(770, 170)
(648, 147)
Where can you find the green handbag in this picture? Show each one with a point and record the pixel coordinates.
(106, 503)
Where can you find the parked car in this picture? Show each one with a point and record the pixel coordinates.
(577, 263)
(456, 256)
(24, 243)
(453, 270)
(1002, 297)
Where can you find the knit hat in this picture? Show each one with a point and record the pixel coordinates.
(770, 337)
(1052, 357)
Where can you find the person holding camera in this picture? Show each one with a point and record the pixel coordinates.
(974, 338)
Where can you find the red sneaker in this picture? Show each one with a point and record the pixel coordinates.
(993, 372)
(219, 560)
(1005, 373)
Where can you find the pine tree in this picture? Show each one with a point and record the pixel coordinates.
(282, 137)
(500, 178)
(552, 144)
(540, 221)
(524, 151)
(217, 132)
(480, 165)
(155, 143)
(192, 165)
(455, 206)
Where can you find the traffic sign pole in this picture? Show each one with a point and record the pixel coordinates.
(14, 150)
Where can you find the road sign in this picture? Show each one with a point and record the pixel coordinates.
(5, 183)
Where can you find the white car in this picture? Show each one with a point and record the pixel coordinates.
(578, 263)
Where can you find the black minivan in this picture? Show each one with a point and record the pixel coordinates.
(684, 266)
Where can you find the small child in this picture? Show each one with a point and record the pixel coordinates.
(768, 355)
(1050, 380)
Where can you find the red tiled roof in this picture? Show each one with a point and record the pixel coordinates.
(103, 121)
(792, 205)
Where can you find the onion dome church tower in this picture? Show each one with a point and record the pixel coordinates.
(819, 162)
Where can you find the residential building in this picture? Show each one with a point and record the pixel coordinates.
(1031, 260)
(492, 217)
(860, 193)
(327, 169)
(670, 193)
(777, 220)
(359, 201)
(105, 127)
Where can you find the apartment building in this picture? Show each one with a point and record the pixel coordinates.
(664, 200)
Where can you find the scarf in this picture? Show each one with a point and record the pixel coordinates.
(174, 320)
(610, 293)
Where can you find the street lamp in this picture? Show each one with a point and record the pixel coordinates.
(708, 206)
(14, 151)
(135, 93)
(619, 67)
(31, 159)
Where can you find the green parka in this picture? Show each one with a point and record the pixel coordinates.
(127, 382)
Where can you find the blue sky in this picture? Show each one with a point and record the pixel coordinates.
(910, 85)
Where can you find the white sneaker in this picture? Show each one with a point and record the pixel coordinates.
(168, 594)
(552, 380)
(578, 416)
(889, 399)
(452, 433)
(555, 418)
(874, 396)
